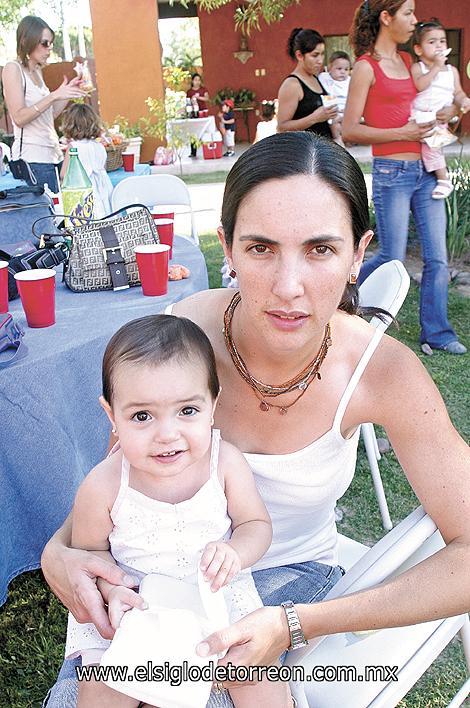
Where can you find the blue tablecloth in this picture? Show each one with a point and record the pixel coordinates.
(117, 176)
(52, 429)
(9, 182)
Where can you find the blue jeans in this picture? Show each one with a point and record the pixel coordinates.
(299, 582)
(46, 173)
(397, 187)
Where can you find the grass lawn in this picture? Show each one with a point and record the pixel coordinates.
(206, 177)
(32, 622)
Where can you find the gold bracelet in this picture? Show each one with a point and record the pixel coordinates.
(36, 109)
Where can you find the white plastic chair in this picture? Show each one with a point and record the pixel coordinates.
(387, 288)
(154, 190)
(410, 649)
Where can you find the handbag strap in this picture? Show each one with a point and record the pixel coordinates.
(24, 97)
(87, 220)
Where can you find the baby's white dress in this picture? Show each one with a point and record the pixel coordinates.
(151, 536)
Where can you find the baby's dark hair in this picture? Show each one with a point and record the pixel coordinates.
(339, 55)
(81, 122)
(304, 40)
(268, 110)
(422, 29)
(155, 340)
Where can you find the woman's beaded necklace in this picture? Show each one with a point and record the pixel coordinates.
(262, 390)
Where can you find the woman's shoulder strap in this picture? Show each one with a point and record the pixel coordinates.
(354, 380)
(406, 58)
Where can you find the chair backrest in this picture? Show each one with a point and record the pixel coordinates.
(154, 190)
(410, 650)
(387, 288)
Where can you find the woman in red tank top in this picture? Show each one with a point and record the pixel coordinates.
(382, 91)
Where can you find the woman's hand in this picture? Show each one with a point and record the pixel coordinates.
(258, 639)
(416, 131)
(72, 574)
(324, 113)
(220, 563)
(69, 89)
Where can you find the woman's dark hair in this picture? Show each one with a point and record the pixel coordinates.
(28, 36)
(155, 340)
(81, 122)
(303, 40)
(193, 76)
(422, 28)
(366, 24)
(300, 153)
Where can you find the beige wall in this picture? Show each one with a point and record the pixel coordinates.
(128, 58)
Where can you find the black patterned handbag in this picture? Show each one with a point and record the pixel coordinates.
(102, 251)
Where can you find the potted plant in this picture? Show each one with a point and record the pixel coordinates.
(160, 124)
(132, 133)
(244, 97)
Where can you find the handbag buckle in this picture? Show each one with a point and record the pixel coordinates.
(112, 250)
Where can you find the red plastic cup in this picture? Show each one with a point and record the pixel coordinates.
(3, 286)
(37, 292)
(128, 161)
(165, 232)
(157, 213)
(152, 261)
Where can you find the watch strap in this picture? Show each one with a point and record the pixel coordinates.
(297, 636)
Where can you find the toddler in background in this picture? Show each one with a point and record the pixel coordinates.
(227, 126)
(268, 125)
(81, 125)
(336, 82)
(438, 85)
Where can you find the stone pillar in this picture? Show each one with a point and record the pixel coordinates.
(128, 59)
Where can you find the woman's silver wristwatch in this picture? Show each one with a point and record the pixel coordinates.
(297, 637)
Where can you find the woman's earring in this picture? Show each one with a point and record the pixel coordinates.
(114, 431)
(352, 280)
(233, 273)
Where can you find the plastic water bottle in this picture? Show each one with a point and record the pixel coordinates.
(77, 191)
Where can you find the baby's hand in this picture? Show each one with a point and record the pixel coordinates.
(440, 59)
(120, 600)
(219, 563)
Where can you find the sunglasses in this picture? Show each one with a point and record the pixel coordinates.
(46, 43)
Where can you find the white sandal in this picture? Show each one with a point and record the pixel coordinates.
(443, 189)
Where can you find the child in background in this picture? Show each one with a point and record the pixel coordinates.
(227, 126)
(171, 496)
(438, 85)
(336, 82)
(268, 125)
(81, 125)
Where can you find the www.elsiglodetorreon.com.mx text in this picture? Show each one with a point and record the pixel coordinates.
(177, 674)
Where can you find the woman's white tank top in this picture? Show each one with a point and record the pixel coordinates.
(300, 489)
(40, 141)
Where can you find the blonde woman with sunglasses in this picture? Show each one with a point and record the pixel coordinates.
(32, 106)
